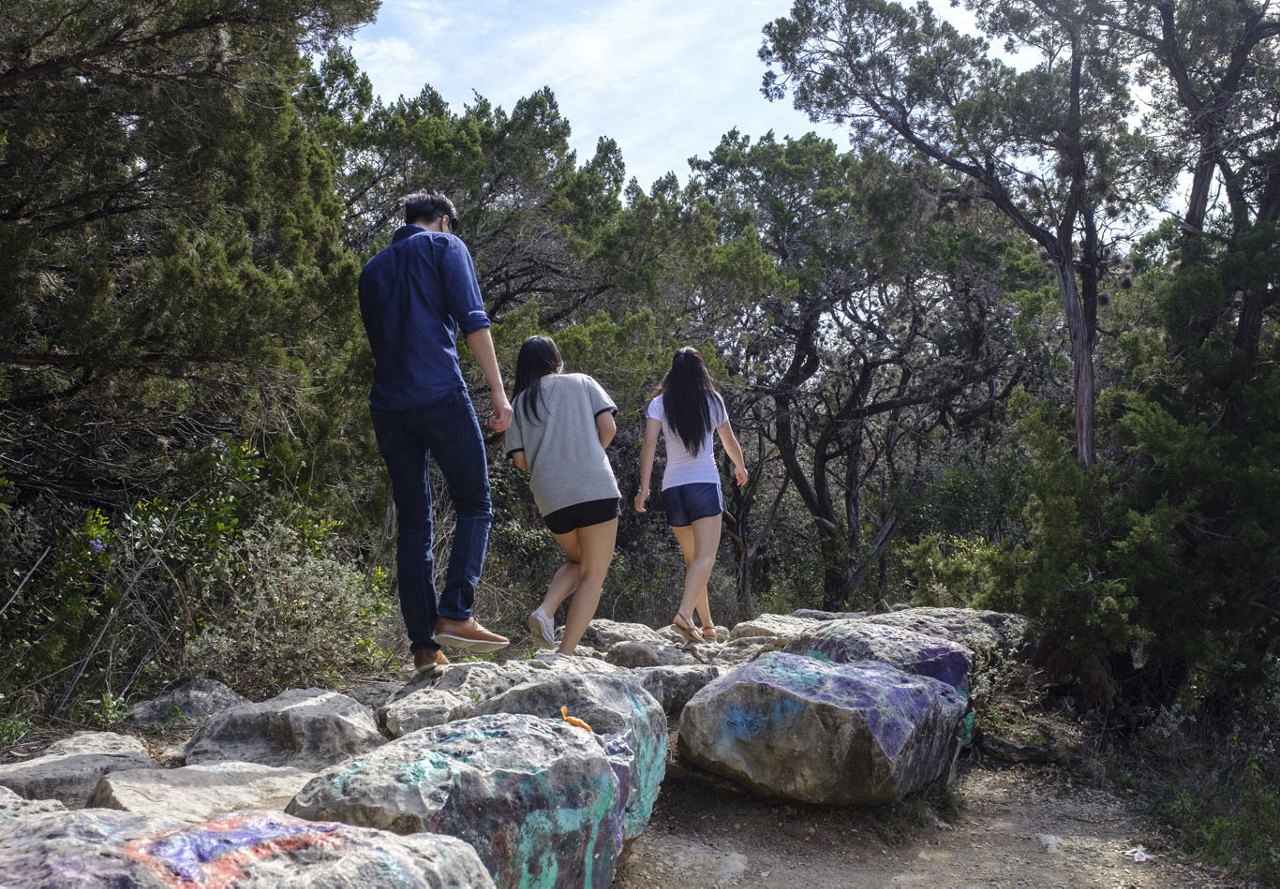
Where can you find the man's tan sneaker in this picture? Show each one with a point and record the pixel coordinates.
(426, 661)
(468, 636)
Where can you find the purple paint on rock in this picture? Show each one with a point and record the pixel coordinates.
(188, 852)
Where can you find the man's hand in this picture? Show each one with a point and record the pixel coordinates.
(501, 418)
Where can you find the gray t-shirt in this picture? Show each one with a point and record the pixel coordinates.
(567, 465)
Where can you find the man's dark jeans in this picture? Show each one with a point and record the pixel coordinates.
(448, 431)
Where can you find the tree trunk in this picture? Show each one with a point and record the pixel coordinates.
(1081, 362)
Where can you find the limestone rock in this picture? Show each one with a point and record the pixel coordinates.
(307, 729)
(248, 850)
(674, 686)
(201, 792)
(583, 663)
(740, 651)
(629, 723)
(833, 734)
(452, 694)
(191, 702)
(373, 695)
(537, 798)
(14, 806)
(69, 769)
(633, 654)
(773, 626)
(814, 614)
(603, 634)
(991, 635)
(845, 641)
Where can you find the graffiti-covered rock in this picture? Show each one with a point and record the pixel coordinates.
(991, 635)
(629, 723)
(835, 734)
(846, 641)
(537, 798)
(248, 850)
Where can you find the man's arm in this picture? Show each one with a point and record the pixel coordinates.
(481, 345)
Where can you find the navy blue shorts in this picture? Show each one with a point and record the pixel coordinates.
(580, 515)
(685, 504)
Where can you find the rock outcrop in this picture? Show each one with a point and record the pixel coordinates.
(201, 792)
(833, 734)
(306, 729)
(69, 769)
(193, 701)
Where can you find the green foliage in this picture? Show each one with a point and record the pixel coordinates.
(116, 606)
(1216, 782)
(294, 616)
(13, 729)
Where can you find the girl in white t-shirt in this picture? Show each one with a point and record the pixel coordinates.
(560, 427)
(686, 413)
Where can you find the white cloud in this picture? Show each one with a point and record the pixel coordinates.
(665, 78)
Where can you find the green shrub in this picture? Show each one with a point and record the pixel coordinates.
(299, 617)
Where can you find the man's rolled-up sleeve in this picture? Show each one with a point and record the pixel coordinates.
(462, 290)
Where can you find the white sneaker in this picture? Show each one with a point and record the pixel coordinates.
(542, 630)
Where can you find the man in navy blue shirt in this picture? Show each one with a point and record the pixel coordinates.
(415, 296)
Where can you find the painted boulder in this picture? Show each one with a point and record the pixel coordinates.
(990, 635)
(846, 641)
(537, 798)
(247, 850)
(629, 723)
(798, 728)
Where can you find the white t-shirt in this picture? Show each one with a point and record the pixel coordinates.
(682, 467)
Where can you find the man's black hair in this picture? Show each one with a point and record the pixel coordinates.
(427, 207)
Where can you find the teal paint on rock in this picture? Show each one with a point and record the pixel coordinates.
(537, 799)
(627, 721)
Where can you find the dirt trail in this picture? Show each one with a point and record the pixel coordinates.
(1017, 827)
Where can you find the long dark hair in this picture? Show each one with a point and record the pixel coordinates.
(539, 356)
(684, 398)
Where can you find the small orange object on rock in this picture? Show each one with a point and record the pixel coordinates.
(573, 720)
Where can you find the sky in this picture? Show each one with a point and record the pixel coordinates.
(664, 78)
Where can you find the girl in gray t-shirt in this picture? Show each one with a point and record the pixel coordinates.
(561, 426)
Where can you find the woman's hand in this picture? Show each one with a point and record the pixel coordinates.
(740, 475)
(641, 496)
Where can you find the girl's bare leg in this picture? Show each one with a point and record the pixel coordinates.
(699, 543)
(562, 585)
(595, 545)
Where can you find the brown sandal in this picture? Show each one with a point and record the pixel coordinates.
(684, 626)
(710, 634)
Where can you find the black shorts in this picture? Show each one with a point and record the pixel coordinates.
(581, 515)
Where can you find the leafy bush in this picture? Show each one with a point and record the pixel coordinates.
(299, 617)
(224, 581)
(1218, 784)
